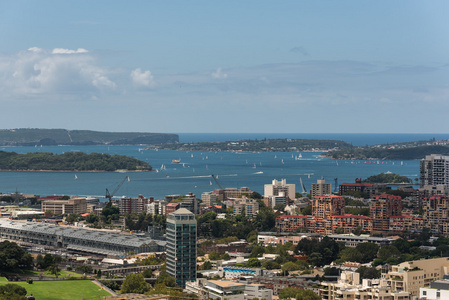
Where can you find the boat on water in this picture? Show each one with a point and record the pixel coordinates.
(176, 161)
(303, 187)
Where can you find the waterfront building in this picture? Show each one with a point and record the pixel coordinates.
(249, 206)
(181, 246)
(190, 202)
(278, 187)
(434, 170)
(321, 188)
(208, 198)
(73, 205)
(382, 207)
(278, 199)
(133, 205)
(171, 207)
(358, 186)
(98, 242)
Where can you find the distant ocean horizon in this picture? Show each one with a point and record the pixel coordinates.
(357, 139)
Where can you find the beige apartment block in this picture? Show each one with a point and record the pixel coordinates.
(70, 206)
(412, 275)
(348, 287)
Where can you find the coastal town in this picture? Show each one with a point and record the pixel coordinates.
(357, 240)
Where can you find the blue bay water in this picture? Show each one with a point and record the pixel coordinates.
(252, 170)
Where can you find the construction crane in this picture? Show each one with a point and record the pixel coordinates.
(216, 181)
(110, 195)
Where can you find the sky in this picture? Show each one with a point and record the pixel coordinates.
(225, 66)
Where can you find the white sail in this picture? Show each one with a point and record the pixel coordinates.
(303, 187)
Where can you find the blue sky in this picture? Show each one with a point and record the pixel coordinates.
(225, 66)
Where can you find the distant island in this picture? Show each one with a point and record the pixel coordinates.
(53, 137)
(265, 145)
(398, 151)
(70, 161)
(388, 178)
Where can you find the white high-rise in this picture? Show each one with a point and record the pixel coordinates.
(435, 170)
(278, 187)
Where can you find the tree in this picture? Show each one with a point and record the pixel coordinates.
(13, 257)
(11, 291)
(307, 210)
(339, 230)
(368, 273)
(207, 265)
(54, 269)
(134, 283)
(72, 218)
(147, 273)
(300, 294)
(387, 252)
(214, 255)
(290, 266)
(351, 254)
(368, 251)
(253, 263)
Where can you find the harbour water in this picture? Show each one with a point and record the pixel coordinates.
(192, 174)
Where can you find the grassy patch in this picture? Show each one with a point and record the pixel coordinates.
(62, 274)
(61, 290)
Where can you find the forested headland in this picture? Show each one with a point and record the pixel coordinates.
(265, 145)
(70, 161)
(408, 153)
(53, 137)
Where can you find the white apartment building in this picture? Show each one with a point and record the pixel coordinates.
(438, 290)
(434, 170)
(277, 187)
(258, 291)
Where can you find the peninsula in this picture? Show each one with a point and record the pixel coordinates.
(53, 137)
(265, 145)
(372, 153)
(70, 161)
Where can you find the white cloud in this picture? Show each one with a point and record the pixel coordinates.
(219, 74)
(68, 51)
(142, 78)
(40, 71)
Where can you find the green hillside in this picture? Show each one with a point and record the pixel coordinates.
(31, 137)
(70, 161)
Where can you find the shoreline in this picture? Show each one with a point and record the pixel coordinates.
(79, 171)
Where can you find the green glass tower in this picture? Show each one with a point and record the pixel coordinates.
(181, 246)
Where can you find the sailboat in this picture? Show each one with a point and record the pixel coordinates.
(210, 182)
(303, 187)
(300, 155)
(76, 177)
